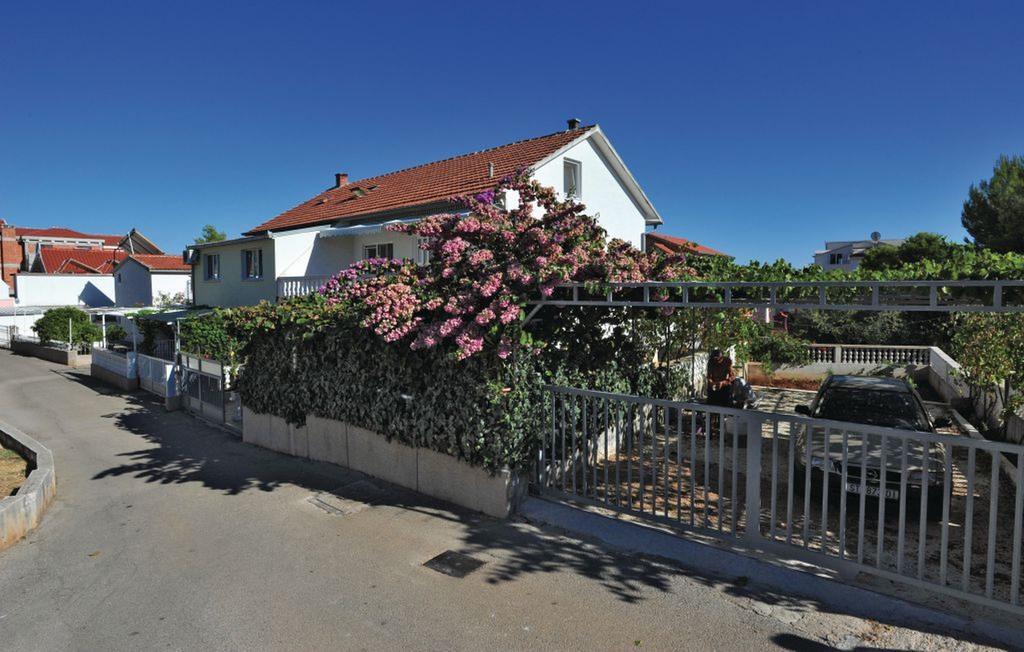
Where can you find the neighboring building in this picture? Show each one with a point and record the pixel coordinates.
(295, 252)
(848, 254)
(147, 280)
(59, 266)
(669, 244)
(21, 247)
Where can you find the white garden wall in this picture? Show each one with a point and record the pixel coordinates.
(90, 290)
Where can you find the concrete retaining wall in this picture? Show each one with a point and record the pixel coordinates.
(51, 353)
(420, 469)
(113, 378)
(22, 512)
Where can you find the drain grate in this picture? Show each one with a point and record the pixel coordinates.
(455, 564)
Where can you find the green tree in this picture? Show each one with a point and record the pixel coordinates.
(990, 349)
(211, 234)
(116, 333)
(994, 211)
(922, 246)
(57, 324)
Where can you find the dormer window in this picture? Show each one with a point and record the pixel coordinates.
(572, 178)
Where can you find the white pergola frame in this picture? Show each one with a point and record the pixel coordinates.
(880, 296)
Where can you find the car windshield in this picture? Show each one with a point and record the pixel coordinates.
(876, 408)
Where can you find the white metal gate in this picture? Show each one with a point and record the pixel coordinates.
(207, 390)
(800, 486)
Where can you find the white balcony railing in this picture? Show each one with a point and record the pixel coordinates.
(297, 286)
(870, 354)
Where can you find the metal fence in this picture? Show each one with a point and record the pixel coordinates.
(923, 509)
(157, 375)
(207, 390)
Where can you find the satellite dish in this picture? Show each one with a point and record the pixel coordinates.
(875, 236)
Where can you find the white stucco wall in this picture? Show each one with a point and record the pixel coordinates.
(292, 252)
(22, 322)
(232, 289)
(93, 290)
(602, 192)
(328, 256)
(131, 285)
(136, 285)
(171, 283)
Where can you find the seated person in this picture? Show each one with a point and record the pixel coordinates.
(720, 377)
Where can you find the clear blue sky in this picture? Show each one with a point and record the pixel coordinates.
(758, 128)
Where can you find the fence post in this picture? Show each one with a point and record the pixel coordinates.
(837, 354)
(753, 507)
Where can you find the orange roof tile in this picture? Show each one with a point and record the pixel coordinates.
(421, 185)
(162, 262)
(671, 244)
(69, 260)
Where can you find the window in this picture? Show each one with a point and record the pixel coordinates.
(384, 250)
(573, 178)
(252, 264)
(212, 267)
(422, 255)
(835, 259)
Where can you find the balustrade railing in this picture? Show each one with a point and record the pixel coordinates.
(297, 286)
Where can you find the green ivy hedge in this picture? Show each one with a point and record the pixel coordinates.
(470, 410)
(483, 410)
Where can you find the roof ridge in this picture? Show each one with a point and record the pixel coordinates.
(582, 131)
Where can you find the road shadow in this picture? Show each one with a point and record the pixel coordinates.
(176, 448)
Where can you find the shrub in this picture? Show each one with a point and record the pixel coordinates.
(207, 336)
(485, 267)
(53, 326)
(116, 333)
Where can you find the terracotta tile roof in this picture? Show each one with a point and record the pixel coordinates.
(421, 185)
(162, 262)
(671, 244)
(61, 232)
(69, 260)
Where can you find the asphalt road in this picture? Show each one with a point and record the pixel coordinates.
(170, 534)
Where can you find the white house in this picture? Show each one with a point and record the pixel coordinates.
(295, 252)
(848, 254)
(146, 280)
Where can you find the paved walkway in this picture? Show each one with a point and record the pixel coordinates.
(170, 534)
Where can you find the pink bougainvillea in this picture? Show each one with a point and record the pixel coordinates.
(485, 266)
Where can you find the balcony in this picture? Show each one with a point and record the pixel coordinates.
(297, 286)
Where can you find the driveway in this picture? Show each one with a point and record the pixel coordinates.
(170, 534)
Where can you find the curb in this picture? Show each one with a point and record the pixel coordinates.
(22, 512)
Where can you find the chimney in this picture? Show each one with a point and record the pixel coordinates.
(574, 124)
(340, 179)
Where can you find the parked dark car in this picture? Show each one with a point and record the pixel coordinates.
(881, 402)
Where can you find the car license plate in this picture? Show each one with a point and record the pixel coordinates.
(872, 491)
